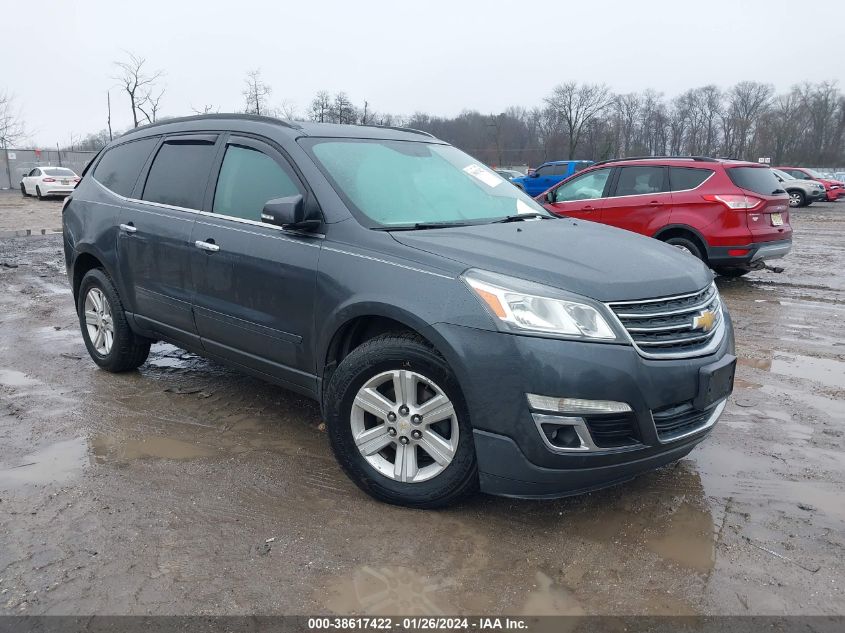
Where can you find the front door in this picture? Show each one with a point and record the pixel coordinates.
(254, 282)
(581, 197)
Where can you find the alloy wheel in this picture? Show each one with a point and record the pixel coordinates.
(99, 321)
(405, 426)
(794, 199)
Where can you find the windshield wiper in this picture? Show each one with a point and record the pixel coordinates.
(421, 226)
(519, 217)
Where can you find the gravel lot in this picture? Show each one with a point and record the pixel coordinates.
(187, 488)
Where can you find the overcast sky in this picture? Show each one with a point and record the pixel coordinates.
(441, 57)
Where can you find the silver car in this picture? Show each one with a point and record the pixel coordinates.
(802, 193)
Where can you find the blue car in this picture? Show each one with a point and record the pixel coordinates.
(549, 174)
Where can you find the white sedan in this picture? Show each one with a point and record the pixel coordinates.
(49, 181)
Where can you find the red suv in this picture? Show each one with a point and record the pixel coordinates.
(833, 188)
(730, 214)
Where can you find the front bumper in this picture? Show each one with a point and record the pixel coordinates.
(497, 370)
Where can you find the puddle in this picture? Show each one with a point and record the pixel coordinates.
(389, 591)
(110, 449)
(757, 363)
(13, 378)
(687, 538)
(822, 370)
(55, 463)
(550, 598)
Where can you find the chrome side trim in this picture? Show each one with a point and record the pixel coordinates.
(709, 423)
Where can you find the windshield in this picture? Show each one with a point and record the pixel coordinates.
(59, 171)
(405, 183)
(814, 173)
(783, 175)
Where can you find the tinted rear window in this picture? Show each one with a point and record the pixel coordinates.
(59, 171)
(179, 174)
(638, 181)
(120, 166)
(757, 179)
(682, 178)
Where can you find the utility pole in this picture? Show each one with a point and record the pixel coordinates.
(108, 119)
(59, 152)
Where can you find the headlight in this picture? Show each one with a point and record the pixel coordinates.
(523, 306)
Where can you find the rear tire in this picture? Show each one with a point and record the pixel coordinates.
(686, 245)
(38, 192)
(732, 272)
(120, 349)
(374, 468)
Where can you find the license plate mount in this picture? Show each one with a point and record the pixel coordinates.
(715, 382)
(777, 219)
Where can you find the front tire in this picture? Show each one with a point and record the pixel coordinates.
(797, 199)
(398, 423)
(110, 341)
(23, 191)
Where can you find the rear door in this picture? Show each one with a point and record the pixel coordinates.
(581, 196)
(255, 282)
(154, 245)
(639, 200)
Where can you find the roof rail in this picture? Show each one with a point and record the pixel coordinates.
(699, 159)
(404, 129)
(221, 115)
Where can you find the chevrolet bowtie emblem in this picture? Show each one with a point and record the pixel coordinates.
(704, 321)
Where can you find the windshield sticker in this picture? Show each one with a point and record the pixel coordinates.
(488, 178)
(522, 208)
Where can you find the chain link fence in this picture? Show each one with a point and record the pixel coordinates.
(14, 163)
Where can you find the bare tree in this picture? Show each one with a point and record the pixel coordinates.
(321, 105)
(205, 109)
(149, 105)
(12, 129)
(287, 110)
(577, 105)
(138, 85)
(747, 101)
(256, 94)
(343, 110)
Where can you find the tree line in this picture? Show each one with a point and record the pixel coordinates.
(749, 120)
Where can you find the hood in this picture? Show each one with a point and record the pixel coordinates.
(593, 260)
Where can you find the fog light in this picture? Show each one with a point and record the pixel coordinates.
(576, 405)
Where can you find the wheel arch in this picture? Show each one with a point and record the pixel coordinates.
(683, 230)
(84, 261)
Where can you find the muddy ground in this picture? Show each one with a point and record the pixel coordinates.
(187, 488)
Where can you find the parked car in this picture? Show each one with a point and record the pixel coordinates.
(833, 188)
(49, 181)
(509, 174)
(732, 215)
(840, 176)
(456, 335)
(802, 193)
(549, 174)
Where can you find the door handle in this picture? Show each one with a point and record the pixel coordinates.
(209, 246)
(128, 228)
(587, 207)
(655, 203)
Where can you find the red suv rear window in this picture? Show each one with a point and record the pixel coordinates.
(757, 179)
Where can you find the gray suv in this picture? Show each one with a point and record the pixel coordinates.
(456, 335)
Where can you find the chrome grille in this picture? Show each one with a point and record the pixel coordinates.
(672, 327)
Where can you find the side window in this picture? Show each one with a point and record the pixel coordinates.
(582, 165)
(637, 181)
(545, 170)
(119, 168)
(180, 173)
(683, 178)
(586, 187)
(560, 170)
(248, 179)
(34, 172)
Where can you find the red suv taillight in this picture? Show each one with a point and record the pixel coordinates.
(734, 202)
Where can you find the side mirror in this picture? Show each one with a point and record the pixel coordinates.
(550, 196)
(288, 213)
